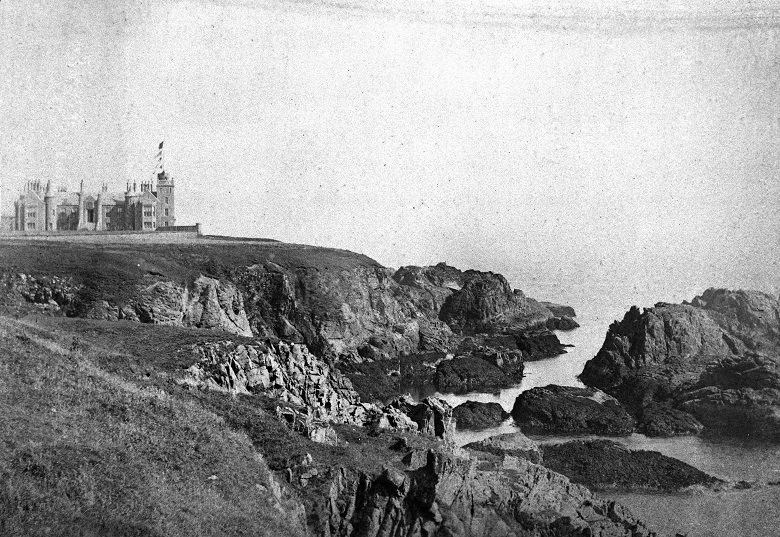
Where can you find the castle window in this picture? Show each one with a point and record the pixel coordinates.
(165, 223)
(148, 225)
(30, 225)
(91, 215)
(166, 212)
(31, 214)
(166, 199)
(147, 210)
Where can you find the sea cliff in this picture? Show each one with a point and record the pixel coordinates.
(235, 369)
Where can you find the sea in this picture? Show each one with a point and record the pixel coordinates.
(753, 512)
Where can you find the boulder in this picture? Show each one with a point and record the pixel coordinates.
(513, 444)
(476, 415)
(570, 410)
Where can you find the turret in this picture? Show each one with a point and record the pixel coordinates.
(99, 211)
(50, 208)
(82, 207)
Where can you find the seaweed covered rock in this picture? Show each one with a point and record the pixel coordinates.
(570, 410)
(605, 464)
(476, 415)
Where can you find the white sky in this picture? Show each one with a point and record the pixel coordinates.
(636, 136)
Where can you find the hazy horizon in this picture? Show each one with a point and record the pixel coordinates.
(634, 144)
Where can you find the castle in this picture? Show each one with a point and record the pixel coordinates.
(50, 208)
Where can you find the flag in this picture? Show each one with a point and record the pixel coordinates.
(159, 151)
(160, 145)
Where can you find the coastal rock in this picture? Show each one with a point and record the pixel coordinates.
(452, 495)
(661, 419)
(539, 344)
(470, 373)
(476, 415)
(752, 317)
(565, 409)
(604, 464)
(287, 372)
(433, 416)
(559, 310)
(513, 444)
(738, 396)
(487, 303)
(711, 362)
(216, 305)
(562, 323)
(670, 343)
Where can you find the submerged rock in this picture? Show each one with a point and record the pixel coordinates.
(476, 415)
(565, 409)
(604, 464)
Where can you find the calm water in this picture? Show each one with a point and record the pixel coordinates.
(753, 512)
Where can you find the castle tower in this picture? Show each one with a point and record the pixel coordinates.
(166, 207)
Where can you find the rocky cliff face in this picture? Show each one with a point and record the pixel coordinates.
(343, 307)
(445, 494)
(711, 361)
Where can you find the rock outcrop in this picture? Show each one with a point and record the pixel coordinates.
(512, 444)
(486, 303)
(432, 416)
(569, 410)
(471, 373)
(604, 464)
(476, 415)
(711, 363)
(287, 372)
(455, 495)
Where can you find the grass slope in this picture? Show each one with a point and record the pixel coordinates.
(87, 452)
(97, 437)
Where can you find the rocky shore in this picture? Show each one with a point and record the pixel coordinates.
(298, 353)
